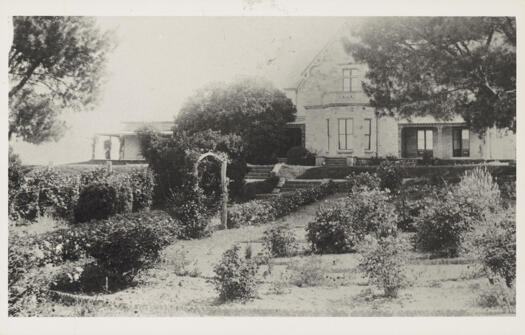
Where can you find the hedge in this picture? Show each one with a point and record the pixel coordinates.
(448, 172)
(56, 193)
(264, 211)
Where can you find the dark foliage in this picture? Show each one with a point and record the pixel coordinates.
(300, 156)
(250, 108)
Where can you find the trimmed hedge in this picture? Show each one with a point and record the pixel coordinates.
(446, 172)
(264, 211)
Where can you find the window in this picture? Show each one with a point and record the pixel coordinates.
(368, 132)
(347, 75)
(345, 134)
(355, 84)
(460, 142)
(424, 141)
(351, 80)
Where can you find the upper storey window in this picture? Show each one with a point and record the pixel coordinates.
(351, 80)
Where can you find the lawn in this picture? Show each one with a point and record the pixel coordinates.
(439, 286)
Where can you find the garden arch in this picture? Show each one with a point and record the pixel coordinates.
(223, 158)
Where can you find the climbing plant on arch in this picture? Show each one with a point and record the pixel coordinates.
(223, 159)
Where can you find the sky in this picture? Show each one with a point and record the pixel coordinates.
(160, 61)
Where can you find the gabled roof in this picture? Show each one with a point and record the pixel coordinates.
(300, 79)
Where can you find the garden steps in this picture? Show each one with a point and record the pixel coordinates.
(335, 161)
(259, 171)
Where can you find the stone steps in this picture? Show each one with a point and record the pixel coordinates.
(259, 171)
(335, 162)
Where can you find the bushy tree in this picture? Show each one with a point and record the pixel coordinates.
(172, 160)
(441, 66)
(56, 63)
(250, 108)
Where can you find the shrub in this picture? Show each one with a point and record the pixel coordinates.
(235, 277)
(359, 181)
(391, 175)
(494, 244)
(478, 192)
(443, 224)
(25, 203)
(45, 192)
(299, 155)
(172, 161)
(126, 243)
(339, 226)
(280, 241)
(310, 272)
(143, 184)
(383, 262)
(189, 209)
(101, 200)
(16, 175)
(97, 175)
(441, 227)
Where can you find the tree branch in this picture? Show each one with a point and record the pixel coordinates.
(21, 84)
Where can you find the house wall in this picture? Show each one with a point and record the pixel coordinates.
(388, 137)
(319, 120)
(500, 144)
(319, 97)
(132, 148)
(322, 81)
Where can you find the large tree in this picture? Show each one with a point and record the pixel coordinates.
(441, 66)
(56, 64)
(250, 108)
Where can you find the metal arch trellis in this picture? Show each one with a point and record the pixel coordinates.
(223, 158)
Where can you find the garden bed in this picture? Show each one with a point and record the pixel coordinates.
(441, 287)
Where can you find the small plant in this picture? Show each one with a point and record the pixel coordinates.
(280, 242)
(383, 262)
(310, 272)
(391, 175)
(235, 277)
(185, 266)
(280, 286)
(498, 295)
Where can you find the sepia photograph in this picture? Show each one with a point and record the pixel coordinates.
(285, 166)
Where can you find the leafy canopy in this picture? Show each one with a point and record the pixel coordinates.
(441, 66)
(250, 108)
(55, 64)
